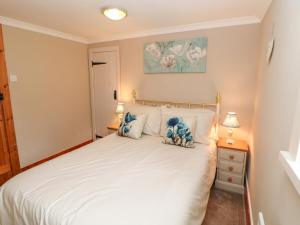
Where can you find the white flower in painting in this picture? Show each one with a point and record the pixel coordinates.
(168, 61)
(153, 50)
(179, 49)
(194, 55)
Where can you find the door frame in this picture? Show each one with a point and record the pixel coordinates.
(92, 88)
(8, 129)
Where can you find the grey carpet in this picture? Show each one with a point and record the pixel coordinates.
(225, 208)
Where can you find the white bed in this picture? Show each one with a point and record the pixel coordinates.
(114, 181)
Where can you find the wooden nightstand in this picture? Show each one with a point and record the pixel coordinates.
(112, 128)
(231, 165)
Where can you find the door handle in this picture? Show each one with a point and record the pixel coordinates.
(98, 63)
(115, 95)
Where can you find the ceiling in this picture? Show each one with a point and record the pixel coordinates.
(82, 18)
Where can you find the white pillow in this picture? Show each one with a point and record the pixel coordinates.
(204, 121)
(188, 120)
(204, 124)
(153, 117)
(132, 125)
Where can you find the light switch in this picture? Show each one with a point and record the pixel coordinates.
(13, 78)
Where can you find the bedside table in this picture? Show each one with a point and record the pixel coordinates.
(231, 165)
(112, 128)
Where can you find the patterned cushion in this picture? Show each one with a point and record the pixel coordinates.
(178, 133)
(132, 125)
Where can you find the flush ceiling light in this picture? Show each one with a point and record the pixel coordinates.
(114, 13)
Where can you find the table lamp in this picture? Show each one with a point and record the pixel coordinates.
(120, 110)
(231, 122)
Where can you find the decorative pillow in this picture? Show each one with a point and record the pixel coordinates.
(178, 133)
(204, 121)
(189, 120)
(132, 125)
(153, 117)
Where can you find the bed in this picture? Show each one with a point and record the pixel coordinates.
(115, 181)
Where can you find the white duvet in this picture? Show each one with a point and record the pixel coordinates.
(114, 181)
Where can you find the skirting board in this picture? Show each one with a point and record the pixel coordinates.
(56, 155)
(249, 208)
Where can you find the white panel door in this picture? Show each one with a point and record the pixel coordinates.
(105, 86)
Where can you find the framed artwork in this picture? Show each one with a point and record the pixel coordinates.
(181, 56)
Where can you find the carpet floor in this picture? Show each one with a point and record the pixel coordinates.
(225, 208)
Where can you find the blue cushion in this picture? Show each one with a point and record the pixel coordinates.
(125, 125)
(178, 133)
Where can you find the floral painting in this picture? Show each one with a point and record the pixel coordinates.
(182, 56)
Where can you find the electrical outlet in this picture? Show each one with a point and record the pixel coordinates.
(13, 78)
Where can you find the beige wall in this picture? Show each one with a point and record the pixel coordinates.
(50, 101)
(278, 84)
(40, 60)
(231, 69)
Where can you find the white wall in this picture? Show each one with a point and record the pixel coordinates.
(50, 101)
(278, 83)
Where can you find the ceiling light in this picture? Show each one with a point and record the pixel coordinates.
(114, 13)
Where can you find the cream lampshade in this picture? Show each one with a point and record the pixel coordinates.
(231, 122)
(120, 110)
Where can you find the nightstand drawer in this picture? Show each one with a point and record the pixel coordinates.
(233, 167)
(231, 155)
(230, 178)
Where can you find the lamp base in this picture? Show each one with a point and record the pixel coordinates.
(230, 141)
(120, 118)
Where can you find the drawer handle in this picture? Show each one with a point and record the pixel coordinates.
(231, 157)
(229, 179)
(230, 168)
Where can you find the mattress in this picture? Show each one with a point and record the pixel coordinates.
(114, 181)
